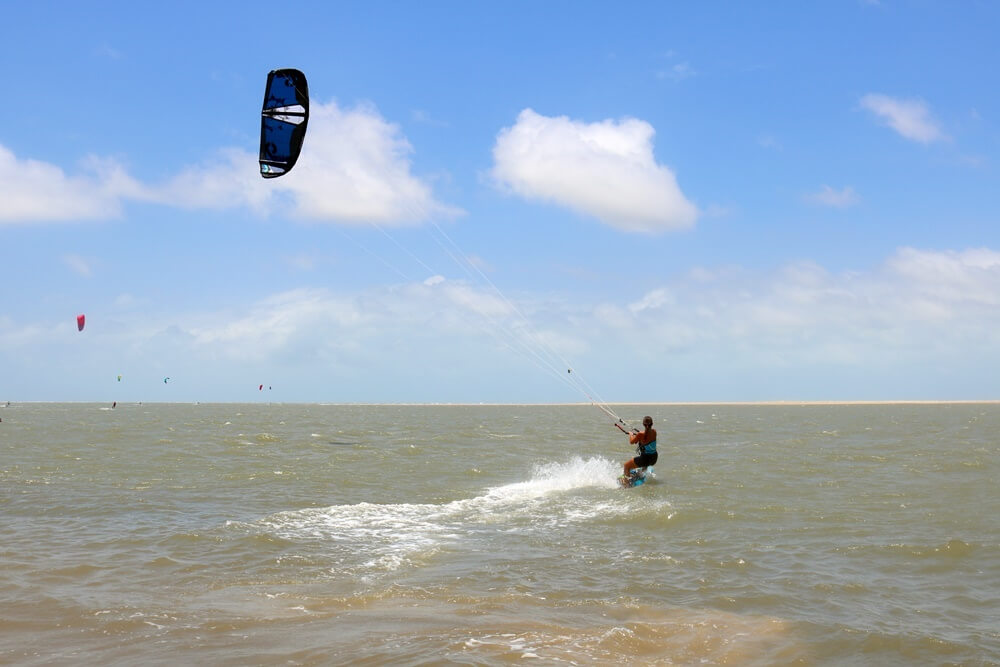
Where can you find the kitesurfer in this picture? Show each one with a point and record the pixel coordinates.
(645, 442)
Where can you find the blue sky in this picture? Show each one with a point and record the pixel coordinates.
(712, 201)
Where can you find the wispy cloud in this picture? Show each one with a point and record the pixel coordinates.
(910, 118)
(828, 196)
(916, 309)
(78, 265)
(769, 141)
(676, 72)
(674, 69)
(606, 170)
(307, 324)
(105, 50)
(301, 261)
(425, 118)
(918, 299)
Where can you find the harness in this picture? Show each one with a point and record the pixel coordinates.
(648, 448)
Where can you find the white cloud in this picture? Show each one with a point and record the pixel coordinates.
(918, 305)
(910, 118)
(657, 298)
(229, 180)
(33, 191)
(105, 50)
(278, 322)
(125, 301)
(425, 118)
(79, 265)
(318, 314)
(769, 142)
(354, 168)
(302, 261)
(676, 72)
(606, 170)
(827, 196)
(727, 330)
(967, 278)
(489, 305)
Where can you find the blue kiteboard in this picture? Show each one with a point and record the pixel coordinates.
(636, 478)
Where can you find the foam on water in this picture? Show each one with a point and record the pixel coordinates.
(389, 536)
(577, 473)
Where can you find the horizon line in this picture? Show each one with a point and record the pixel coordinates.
(781, 402)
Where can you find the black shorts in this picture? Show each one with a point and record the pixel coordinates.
(644, 460)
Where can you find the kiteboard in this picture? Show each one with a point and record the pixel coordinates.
(636, 478)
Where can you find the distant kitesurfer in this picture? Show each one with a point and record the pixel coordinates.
(645, 442)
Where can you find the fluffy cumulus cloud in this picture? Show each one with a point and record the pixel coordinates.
(35, 191)
(228, 179)
(910, 118)
(605, 170)
(355, 168)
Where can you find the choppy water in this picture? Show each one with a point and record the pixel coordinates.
(311, 534)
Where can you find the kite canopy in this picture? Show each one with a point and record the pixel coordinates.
(284, 117)
(80, 321)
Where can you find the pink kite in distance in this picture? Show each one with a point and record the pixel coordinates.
(80, 321)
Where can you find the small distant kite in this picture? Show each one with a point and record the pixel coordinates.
(165, 380)
(119, 378)
(81, 319)
(283, 121)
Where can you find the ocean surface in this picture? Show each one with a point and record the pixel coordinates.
(244, 534)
